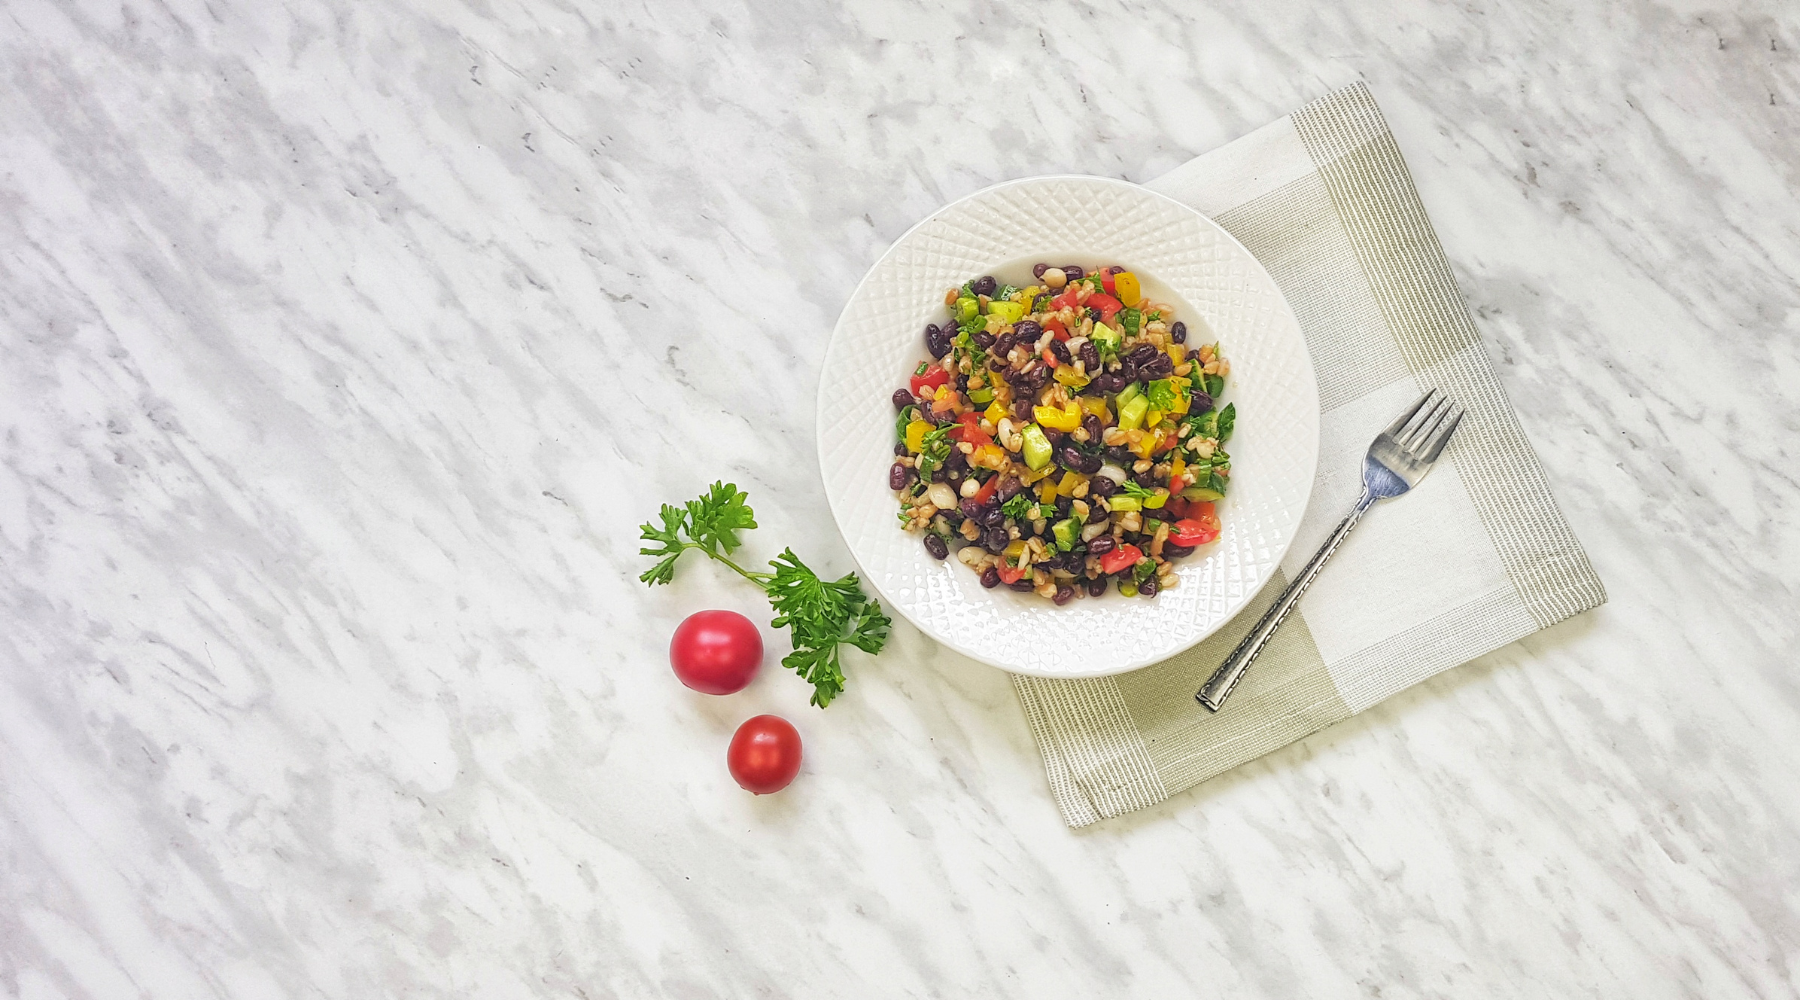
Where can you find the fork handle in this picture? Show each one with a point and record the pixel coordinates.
(1218, 687)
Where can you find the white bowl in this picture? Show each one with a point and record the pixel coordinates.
(1185, 260)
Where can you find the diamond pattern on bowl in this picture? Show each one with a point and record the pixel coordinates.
(878, 342)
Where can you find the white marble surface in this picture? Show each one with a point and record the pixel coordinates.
(342, 345)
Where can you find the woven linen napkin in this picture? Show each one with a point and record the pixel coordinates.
(1476, 557)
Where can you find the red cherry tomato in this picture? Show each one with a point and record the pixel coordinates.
(1190, 532)
(716, 652)
(764, 754)
(1120, 558)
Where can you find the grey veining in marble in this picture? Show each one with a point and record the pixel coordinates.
(342, 345)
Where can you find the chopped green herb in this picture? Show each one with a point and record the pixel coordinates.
(1018, 507)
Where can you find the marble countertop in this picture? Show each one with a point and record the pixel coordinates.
(342, 346)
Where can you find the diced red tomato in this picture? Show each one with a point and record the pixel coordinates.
(1056, 326)
(1010, 574)
(1123, 557)
(1189, 532)
(1065, 301)
(969, 429)
(1050, 359)
(1106, 282)
(933, 377)
(1105, 303)
(988, 489)
(1176, 508)
(1204, 512)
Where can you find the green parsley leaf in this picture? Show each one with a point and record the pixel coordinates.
(821, 615)
(1164, 393)
(1019, 507)
(1131, 319)
(1227, 420)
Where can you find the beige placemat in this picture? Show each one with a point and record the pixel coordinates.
(1476, 557)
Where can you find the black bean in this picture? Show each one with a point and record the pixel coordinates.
(1090, 356)
(957, 462)
(953, 476)
(1091, 424)
(1064, 594)
(1173, 551)
(1097, 586)
(1008, 488)
(1143, 353)
(1118, 454)
(1146, 479)
(1069, 457)
(937, 340)
(1128, 371)
(1063, 504)
(1074, 272)
(1003, 344)
(995, 540)
(983, 339)
(984, 285)
(1095, 314)
(903, 399)
(1201, 402)
(1100, 545)
(1021, 409)
(934, 544)
(1053, 435)
(1023, 584)
(897, 476)
(1109, 382)
(1102, 487)
(1161, 366)
(1178, 332)
(1060, 351)
(1028, 330)
(1149, 587)
(1037, 270)
(900, 448)
(970, 508)
(937, 475)
(990, 578)
(1116, 269)
(991, 517)
(1096, 513)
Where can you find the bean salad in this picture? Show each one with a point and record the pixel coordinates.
(1063, 438)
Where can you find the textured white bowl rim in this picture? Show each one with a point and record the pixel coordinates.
(1139, 654)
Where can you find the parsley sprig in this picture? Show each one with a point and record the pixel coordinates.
(821, 615)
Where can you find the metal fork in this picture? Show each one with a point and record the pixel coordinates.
(1398, 459)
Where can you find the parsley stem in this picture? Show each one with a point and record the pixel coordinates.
(760, 579)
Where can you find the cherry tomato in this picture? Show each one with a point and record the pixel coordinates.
(1120, 558)
(716, 652)
(764, 754)
(1190, 532)
(934, 376)
(1105, 303)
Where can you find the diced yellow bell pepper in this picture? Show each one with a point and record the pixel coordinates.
(1144, 447)
(1009, 312)
(1047, 491)
(1066, 419)
(995, 413)
(988, 456)
(1182, 402)
(1070, 480)
(1176, 467)
(1071, 378)
(1030, 475)
(1127, 288)
(1177, 352)
(915, 436)
(1097, 406)
(1027, 298)
(1014, 549)
(1153, 418)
